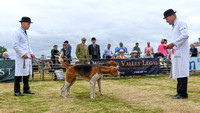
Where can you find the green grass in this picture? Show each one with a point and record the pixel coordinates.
(144, 94)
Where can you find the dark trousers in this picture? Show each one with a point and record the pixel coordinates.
(69, 58)
(94, 57)
(182, 86)
(108, 57)
(17, 83)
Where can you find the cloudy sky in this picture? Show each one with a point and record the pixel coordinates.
(110, 21)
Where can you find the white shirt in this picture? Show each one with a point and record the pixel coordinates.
(108, 51)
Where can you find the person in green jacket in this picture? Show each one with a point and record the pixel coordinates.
(54, 52)
(82, 52)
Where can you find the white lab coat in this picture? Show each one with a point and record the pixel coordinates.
(180, 58)
(23, 67)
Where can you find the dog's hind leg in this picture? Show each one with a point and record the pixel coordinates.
(68, 89)
(65, 86)
(99, 85)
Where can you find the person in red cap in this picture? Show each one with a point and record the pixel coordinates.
(179, 53)
(24, 54)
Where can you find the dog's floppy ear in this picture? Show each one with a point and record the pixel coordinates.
(115, 72)
(113, 63)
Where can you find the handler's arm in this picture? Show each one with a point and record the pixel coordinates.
(69, 50)
(16, 44)
(183, 37)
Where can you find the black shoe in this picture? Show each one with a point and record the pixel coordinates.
(179, 97)
(28, 92)
(18, 94)
(173, 95)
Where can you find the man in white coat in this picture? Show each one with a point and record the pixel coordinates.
(24, 54)
(180, 53)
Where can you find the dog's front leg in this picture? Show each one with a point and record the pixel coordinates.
(99, 85)
(92, 85)
(92, 89)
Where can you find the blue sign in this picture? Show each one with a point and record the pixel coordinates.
(140, 66)
(194, 63)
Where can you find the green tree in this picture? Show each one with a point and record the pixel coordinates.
(2, 49)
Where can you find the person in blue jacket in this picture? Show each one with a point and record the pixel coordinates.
(117, 49)
(5, 56)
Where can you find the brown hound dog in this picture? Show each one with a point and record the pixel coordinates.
(90, 72)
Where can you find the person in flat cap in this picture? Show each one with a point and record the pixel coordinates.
(94, 49)
(82, 52)
(179, 53)
(24, 54)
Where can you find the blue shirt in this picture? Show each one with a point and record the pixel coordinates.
(69, 48)
(108, 51)
(119, 48)
(64, 52)
(4, 59)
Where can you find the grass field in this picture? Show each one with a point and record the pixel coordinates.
(145, 94)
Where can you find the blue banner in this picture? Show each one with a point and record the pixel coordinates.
(194, 63)
(140, 66)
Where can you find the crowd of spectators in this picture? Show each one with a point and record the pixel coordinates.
(84, 53)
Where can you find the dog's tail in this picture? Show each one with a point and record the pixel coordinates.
(66, 65)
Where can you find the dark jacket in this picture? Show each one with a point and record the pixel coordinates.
(194, 52)
(92, 49)
(54, 52)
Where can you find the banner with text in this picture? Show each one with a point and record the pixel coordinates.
(194, 63)
(140, 66)
(7, 70)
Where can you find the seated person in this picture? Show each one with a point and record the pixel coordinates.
(5, 56)
(193, 51)
(121, 54)
(148, 54)
(162, 50)
(134, 54)
(54, 52)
